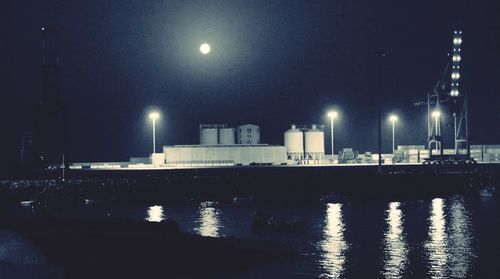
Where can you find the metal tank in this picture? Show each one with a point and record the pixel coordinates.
(209, 136)
(314, 144)
(226, 136)
(294, 143)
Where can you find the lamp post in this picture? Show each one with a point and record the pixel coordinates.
(332, 115)
(154, 116)
(393, 119)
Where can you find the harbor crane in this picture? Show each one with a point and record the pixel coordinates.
(447, 96)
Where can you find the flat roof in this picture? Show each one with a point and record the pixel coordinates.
(222, 145)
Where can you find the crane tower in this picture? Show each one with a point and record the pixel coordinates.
(447, 94)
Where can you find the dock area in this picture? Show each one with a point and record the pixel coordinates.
(260, 182)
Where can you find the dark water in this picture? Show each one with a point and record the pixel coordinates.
(452, 237)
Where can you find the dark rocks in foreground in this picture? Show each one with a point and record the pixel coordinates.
(78, 248)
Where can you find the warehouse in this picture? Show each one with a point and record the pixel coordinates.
(224, 155)
(218, 147)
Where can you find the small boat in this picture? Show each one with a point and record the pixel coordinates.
(487, 192)
(27, 203)
(89, 201)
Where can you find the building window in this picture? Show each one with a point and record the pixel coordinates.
(249, 130)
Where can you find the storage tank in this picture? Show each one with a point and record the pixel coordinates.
(209, 136)
(294, 143)
(314, 144)
(226, 136)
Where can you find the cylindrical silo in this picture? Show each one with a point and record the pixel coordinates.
(294, 143)
(209, 136)
(226, 136)
(314, 144)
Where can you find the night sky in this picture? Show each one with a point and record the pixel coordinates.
(273, 63)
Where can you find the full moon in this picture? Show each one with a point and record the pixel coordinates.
(205, 48)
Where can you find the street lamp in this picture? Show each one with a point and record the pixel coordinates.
(332, 115)
(393, 118)
(154, 116)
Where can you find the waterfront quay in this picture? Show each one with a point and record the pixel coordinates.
(259, 182)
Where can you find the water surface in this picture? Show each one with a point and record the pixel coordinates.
(441, 237)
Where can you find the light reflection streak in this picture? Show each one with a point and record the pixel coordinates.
(438, 240)
(333, 244)
(461, 251)
(209, 220)
(155, 214)
(395, 246)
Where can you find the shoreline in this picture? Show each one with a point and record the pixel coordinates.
(280, 183)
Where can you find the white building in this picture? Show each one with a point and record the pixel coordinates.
(248, 134)
(224, 155)
(157, 159)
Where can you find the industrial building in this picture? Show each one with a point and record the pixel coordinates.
(215, 134)
(485, 152)
(218, 148)
(224, 155)
(221, 145)
(248, 134)
(304, 144)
